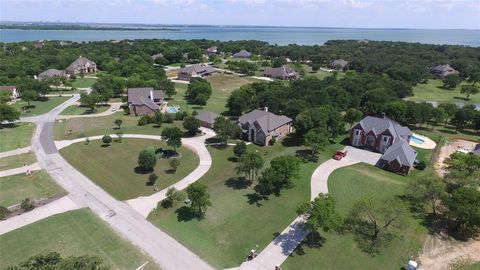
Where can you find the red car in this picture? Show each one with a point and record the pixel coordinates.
(340, 154)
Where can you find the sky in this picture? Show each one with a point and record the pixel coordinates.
(426, 14)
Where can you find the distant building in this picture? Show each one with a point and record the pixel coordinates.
(260, 126)
(242, 54)
(442, 71)
(81, 65)
(387, 137)
(51, 73)
(212, 50)
(12, 90)
(338, 64)
(195, 71)
(143, 101)
(155, 56)
(282, 73)
(207, 119)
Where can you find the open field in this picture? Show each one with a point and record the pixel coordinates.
(81, 110)
(346, 186)
(15, 188)
(81, 127)
(73, 233)
(234, 224)
(113, 167)
(39, 107)
(433, 91)
(83, 82)
(15, 136)
(320, 74)
(16, 161)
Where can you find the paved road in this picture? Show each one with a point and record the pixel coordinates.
(163, 249)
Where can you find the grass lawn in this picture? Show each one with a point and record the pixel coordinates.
(433, 91)
(15, 188)
(79, 110)
(83, 82)
(15, 136)
(320, 74)
(447, 132)
(16, 161)
(113, 167)
(347, 185)
(90, 126)
(73, 233)
(233, 225)
(39, 107)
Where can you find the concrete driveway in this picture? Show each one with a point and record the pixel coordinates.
(361, 155)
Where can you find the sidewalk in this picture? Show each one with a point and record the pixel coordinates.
(32, 167)
(15, 152)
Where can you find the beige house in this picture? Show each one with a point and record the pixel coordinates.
(260, 127)
(81, 65)
(195, 71)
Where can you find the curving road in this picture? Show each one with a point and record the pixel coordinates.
(162, 248)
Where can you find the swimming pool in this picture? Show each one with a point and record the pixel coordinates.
(172, 109)
(416, 139)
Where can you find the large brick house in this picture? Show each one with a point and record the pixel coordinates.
(195, 71)
(81, 65)
(385, 136)
(143, 101)
(260, 126)
(283, 73)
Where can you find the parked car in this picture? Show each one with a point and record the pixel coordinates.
(340, 154)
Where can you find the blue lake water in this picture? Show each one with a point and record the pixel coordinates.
(273, 35)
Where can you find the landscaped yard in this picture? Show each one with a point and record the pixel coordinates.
(233, 225)
(346, 186)
(83, 82)
(74, 233)
(113, 168)
(15, 136)
(433, 91)
(79, 110)
(91, 126)
(39, 107)
(15, 188)
(16, 161)
(321, 74)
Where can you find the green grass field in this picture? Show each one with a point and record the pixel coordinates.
(83, 82)
(16, 136)
(15, 188)
(346, 186)
(80, 110)
(433, 91)
(73, 233)
(16, 161)
(39, 107)
(232, 226)
(113, 167)
(90, 126)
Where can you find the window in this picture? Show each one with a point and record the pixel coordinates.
(385, 138)
(357, 132)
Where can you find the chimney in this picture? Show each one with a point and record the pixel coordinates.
(151, 95)
(265, 109)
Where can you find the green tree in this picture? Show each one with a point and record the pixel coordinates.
(439, 115)
(451, 81)
(152, 179)
(173, 136)
(174, 163)
(464, 211)
(173, 196)
(474, 78)
(168, 88)
(53, 261)
(250, 164)
(4, 97)
(316, 140)
(352, 116)
(191, 124)
(225, 128)
(199, 198)
(462, 170)
(147, 159)
(29, 96)
(119, 123)
(239, 149)
(450, 110)
(3, 212)
(106, 139)
(89, 100)
(427, 190)
(241, 100)
(279, 175)
(8, 113)
(198, 92)
(468, 90)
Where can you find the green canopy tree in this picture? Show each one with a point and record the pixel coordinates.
(199, 197)
(250, 164)
(173, 136)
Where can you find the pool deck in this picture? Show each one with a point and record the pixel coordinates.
(427, 142)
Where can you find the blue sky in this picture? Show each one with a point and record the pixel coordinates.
(438, 14)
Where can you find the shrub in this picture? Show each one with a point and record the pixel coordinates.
(168, 118)
(27, 205)
(272, 141)
(107, 139)
(174, 163)
(421, 165)
(152, 179)
(144, 120)
(147, 159)
(3, 212)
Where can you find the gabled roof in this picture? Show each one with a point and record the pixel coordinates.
(208, 117)
(242, 53)
(198, 68)
(155, 56)
(142, 96)
(443, 68)
(378, 125)
(212, 49)
(79, 62)
(266, 121)
(51, 73)
(280, 72)
(7, 88)
(402, 152)
(339, 62)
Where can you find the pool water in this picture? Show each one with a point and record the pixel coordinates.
(416, 139)
(172, 110)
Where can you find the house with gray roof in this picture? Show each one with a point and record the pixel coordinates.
(260, 127)
(195, 71)
(385, 136)
(51, 73)
(155, 56)
(207, 119)
(11, 90)
(338, 64)
(283, 73)
(242, 54)
(81, 65)
(442, 71)
(212, 50)
(143, 101)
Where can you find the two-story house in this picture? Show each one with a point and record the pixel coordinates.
(260, 127)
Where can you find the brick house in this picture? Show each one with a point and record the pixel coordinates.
(81, 65)
(143, 101)
(385, 136)
(282, 73)
(260, 126)
(51, 73)
(195, 71)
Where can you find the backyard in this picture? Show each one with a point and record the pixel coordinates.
(82, 110)
(15, 188)
(433, 91)
(39, 107)
(16, 135)
(73, 233)
(114, 167)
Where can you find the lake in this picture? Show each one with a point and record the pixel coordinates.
(273, 35)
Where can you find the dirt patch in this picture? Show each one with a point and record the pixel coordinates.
(450, 148)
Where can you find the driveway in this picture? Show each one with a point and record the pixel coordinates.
(363, 155)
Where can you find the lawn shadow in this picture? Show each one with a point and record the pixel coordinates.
(291, 140)
(185, 214)
(462, 98)
(170, 171)
(255, 198)
(307, 155)
(313, 240)
(236, 183)
(104, 145)
(232, 159)
(297, 236)
(140, 170)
